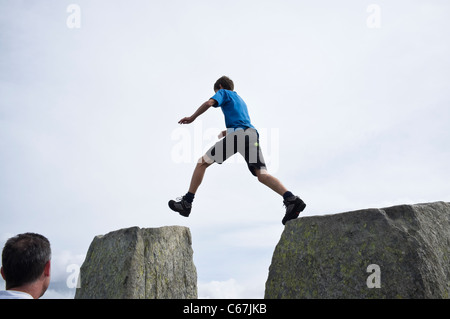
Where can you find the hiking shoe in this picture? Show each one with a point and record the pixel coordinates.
(294, 206)
(181, 206)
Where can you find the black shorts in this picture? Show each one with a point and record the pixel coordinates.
(244, 142)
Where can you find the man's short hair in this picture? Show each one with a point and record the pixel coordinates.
(225, 82)
(24, 258)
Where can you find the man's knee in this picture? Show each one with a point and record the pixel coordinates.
(262, 178)
(204, 161)
(262, 175)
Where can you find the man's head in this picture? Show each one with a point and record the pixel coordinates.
(26, 260)
(224, 83)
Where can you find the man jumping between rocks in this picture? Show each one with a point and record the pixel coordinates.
(239, 137)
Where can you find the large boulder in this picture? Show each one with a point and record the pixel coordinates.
(395, 252)
(134, 263)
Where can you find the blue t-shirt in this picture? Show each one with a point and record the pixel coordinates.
(234, 109)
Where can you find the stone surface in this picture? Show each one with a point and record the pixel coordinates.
(134, 263)
(336, 256)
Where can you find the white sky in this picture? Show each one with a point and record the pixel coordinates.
(350, 117)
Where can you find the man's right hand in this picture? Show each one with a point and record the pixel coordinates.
(186, 120)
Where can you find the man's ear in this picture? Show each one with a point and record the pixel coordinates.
(47, 269)
(3, 275)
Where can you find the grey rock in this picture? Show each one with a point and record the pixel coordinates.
(336, 256)
(134, 263)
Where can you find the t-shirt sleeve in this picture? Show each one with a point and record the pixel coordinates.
(219, 97)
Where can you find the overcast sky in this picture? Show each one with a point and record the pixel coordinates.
(351, 99)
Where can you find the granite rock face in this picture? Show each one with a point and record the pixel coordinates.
(134, 263)
(396, 252)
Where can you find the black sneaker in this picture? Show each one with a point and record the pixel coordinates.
(294, 206)
(181, 206)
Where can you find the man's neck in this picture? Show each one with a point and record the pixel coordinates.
(33, 289)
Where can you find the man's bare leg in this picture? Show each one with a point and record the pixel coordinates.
(197, 176)
(184, 205)
(270, 181)
(294, 205)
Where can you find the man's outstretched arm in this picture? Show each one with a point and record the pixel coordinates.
(202, 109)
